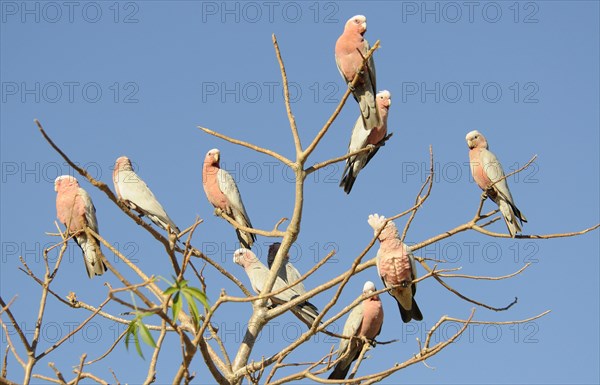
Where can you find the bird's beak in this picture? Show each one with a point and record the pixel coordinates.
(364, 27)
(470, 143)
(389, 102)
(216, 157)
(55, 188)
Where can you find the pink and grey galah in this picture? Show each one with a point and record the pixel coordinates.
(489, 176)
(362, 138)
(396, 267)
(287, 272)
(74, 209)
(223, 194)
(258, 273)
(350, 50)
(132, 190)
(365, 320)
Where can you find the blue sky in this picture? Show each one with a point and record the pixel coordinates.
(135, 78)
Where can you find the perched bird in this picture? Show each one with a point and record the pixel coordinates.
(361, 138)
(350, 50)
(287, 272)
(365, 320)
(223, 194)
(74, 209)
(258, 273)
(486, 169)
(132, 190)
(396, 266)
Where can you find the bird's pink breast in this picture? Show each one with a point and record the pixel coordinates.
(372, 317)
(478, 170)
(211, 187)
(377, 134)
(70, 209)
(349, 60)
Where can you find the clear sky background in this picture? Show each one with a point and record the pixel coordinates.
(135, 78)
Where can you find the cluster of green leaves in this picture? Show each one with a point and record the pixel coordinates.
(179, 291)
(137, 328)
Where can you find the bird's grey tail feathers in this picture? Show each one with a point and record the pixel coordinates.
(158, 222)
(340, 371)
(306, 312)
(92, 255)
(343, 366)
(348, 177)
(511, 216)
(413, 313)
(246, 239)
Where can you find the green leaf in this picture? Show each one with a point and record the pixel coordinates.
(145, 333)
(192, 307)
(136, 339)
(129, 333)
(199, 295)
(164, 279)
(177, 303)
(171, 290)
(137, 328)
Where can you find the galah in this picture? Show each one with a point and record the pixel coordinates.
(350, 50)
(396, 267)
(223, 194)
(287, 272)
(487, 170)
(258, 273)
(362, 138)
(365, 320)
(132, 190)
(74, 209)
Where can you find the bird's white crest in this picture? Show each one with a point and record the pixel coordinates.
(61, 177)
(215, 153)
(123, 163)
(243, 253)
(64, 177)
(472, 134)
(237, 254)
(369, 287)
(376, 221)
(385, 93)
(476, 136)
(360, 18)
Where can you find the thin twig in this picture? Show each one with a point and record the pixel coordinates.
(462, 296)
(81, 364)
(286, 97)
(251, 146)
